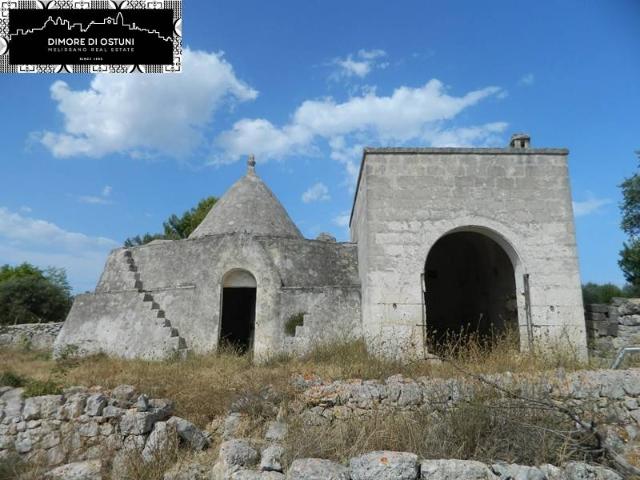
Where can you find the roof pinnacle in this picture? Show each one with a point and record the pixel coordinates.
(251, 164)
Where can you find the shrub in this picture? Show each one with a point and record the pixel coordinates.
(37, 388)
(295, 320)
(601, 293)
(11, 379)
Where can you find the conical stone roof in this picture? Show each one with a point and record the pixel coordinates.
(249, 206)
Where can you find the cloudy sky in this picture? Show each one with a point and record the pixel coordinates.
(87, 161)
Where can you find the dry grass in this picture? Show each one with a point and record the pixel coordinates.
(486, 429)
(205, 386)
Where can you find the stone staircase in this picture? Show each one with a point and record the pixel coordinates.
(156, 314)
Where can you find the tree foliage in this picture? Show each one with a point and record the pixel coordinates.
(601, 293)
(177, 227)
(630, 209)
(31, 295)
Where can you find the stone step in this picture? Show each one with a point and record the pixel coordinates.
(163, 322)
(127, 253)
(173, 332)
(147, 297)
(138, 285)
(177, 343)
(160, 314)
(154, 305)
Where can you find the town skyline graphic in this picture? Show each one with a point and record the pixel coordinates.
(118, 20)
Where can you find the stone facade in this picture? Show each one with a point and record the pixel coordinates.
(513, 205)
(409, 199)
(612, 327)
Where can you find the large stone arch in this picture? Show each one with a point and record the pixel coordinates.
(507, 239)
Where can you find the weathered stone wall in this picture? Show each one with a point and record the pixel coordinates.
(185, 279)
(612, 327)
(518, 197)
(35, 335)
(84, 424)
(614, 393)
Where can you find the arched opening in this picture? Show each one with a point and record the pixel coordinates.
(470, 288)
(237, 322)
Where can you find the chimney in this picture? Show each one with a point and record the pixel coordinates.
(520, 140)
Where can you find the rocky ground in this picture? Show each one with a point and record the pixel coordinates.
(96, 433)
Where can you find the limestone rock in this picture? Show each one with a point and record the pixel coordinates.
(237, 453)
(316, 469)
(384, 465)
(89, 470)
(584, 471)
(95, 405)
(137, 423)
(276, 431)
(231, 425)
(123, 394)
(162, 438)
(13, 402)
(74, 406)
(191, 434)
(271, 458)
(142, 404)
(455, 469)
(41, 407)
(518, 472)
(253, 475)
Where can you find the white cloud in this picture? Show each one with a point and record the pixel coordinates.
(144, 115)
(26, 209)
(102, 199)
(477, 136)
(408, 114)
(318, 192)
(359, 64)
(589, 206)
(527, 80)
(342, 220)
(25, 239)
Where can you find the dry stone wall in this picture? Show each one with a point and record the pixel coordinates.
(612, 327)
(36, 335)
(89, 425)
(615, 392)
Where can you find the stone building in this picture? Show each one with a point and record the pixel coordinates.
(441, 239)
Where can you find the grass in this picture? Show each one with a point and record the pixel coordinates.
(487, 429)
(204, 387)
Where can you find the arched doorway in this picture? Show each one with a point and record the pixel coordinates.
(237, 321)
(470, 287)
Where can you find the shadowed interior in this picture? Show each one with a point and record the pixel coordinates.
(470, 287)
(238, 317)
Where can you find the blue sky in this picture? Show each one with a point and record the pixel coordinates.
(304, 85)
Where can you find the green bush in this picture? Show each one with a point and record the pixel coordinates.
(602, 293)
(31, 295)
(37, 388)
(295, 320)
(11, 379)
